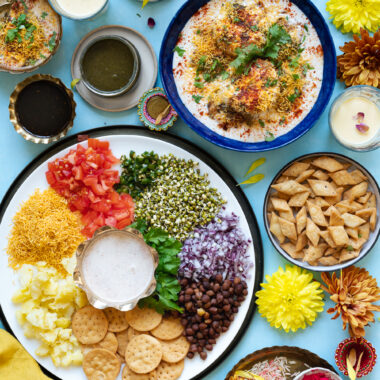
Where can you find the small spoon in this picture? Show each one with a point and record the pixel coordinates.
(162, 114)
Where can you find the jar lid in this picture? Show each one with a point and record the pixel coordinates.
(155, 111)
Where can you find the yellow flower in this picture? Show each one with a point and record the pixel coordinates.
(290, 299)
(351, 15)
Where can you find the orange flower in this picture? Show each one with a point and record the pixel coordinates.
(354, 293)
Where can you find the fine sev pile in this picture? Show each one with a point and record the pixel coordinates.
(44, 229)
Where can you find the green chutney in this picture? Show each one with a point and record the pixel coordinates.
(108, 65)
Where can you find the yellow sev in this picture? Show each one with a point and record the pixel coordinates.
(44, 229)
(22, 52)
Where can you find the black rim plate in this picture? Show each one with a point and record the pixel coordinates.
(199, 153)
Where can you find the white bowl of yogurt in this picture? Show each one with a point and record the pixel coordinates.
(116, 268)
(355, 118)
(79, 9)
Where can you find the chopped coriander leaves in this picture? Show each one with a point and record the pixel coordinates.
(43, 15)
(350, 248)
(306, 27)
(271, 82)
(24, 4)
(282, 120)
(11, 35)
(52, 41)
(254, 28)
(269, 136)
(207, 77)
(294, 62)
(224, 75)
(42, 56)
(296, 76)
(359, 235)
(294, 96)
(215, 64)
(276, 37)
(199, 31)
(236, 20)
(201, 63)
(198, 84)
(179, 51)
(197, 98)
(262, 124)
(306, 68)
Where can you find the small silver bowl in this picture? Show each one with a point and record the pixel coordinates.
(135, 73)
(80, 280)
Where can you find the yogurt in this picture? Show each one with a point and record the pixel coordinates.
(356, 121)
(118, 267)
(81, 8)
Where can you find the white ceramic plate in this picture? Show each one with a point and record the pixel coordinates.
(122, 140)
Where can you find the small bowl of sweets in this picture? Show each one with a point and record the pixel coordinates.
(321, 211)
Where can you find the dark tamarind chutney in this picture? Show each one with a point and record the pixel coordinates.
(44, 108)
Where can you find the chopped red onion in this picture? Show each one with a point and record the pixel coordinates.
(362, 128)
(218, 248)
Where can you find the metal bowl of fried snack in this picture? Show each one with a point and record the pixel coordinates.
(321, 211)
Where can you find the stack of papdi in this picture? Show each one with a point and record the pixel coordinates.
(150, 345)
(321, 211)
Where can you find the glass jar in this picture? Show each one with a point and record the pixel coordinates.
(368, 93)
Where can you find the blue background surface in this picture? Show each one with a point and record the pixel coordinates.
(15, 153)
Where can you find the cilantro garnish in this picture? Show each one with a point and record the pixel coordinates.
(201, 63)
(262, 124)
(271, 82)
(296, 76)
(236, 20)
(282, 120)
(179, 51)
(52, 41)
(197, 98)
(269, 136)
(306, 27)
(276, 37)
(294, 62)
(254, 28)
(294, 96)
(224, 75)
(166, 294)
(199, 31)
(306, 68)
(350, 248)
(43, 15)
(42, 56)
(199, 84)
(24, 4)
(21, 23)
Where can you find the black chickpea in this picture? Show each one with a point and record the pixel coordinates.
(209, 308)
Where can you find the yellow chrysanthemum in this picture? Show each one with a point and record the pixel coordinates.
(351, 15)
(290, 299)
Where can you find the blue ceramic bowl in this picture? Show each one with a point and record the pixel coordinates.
(329, 74)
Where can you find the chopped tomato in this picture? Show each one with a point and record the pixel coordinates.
(85, 178)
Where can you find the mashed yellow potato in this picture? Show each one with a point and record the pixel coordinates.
(48, 300)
